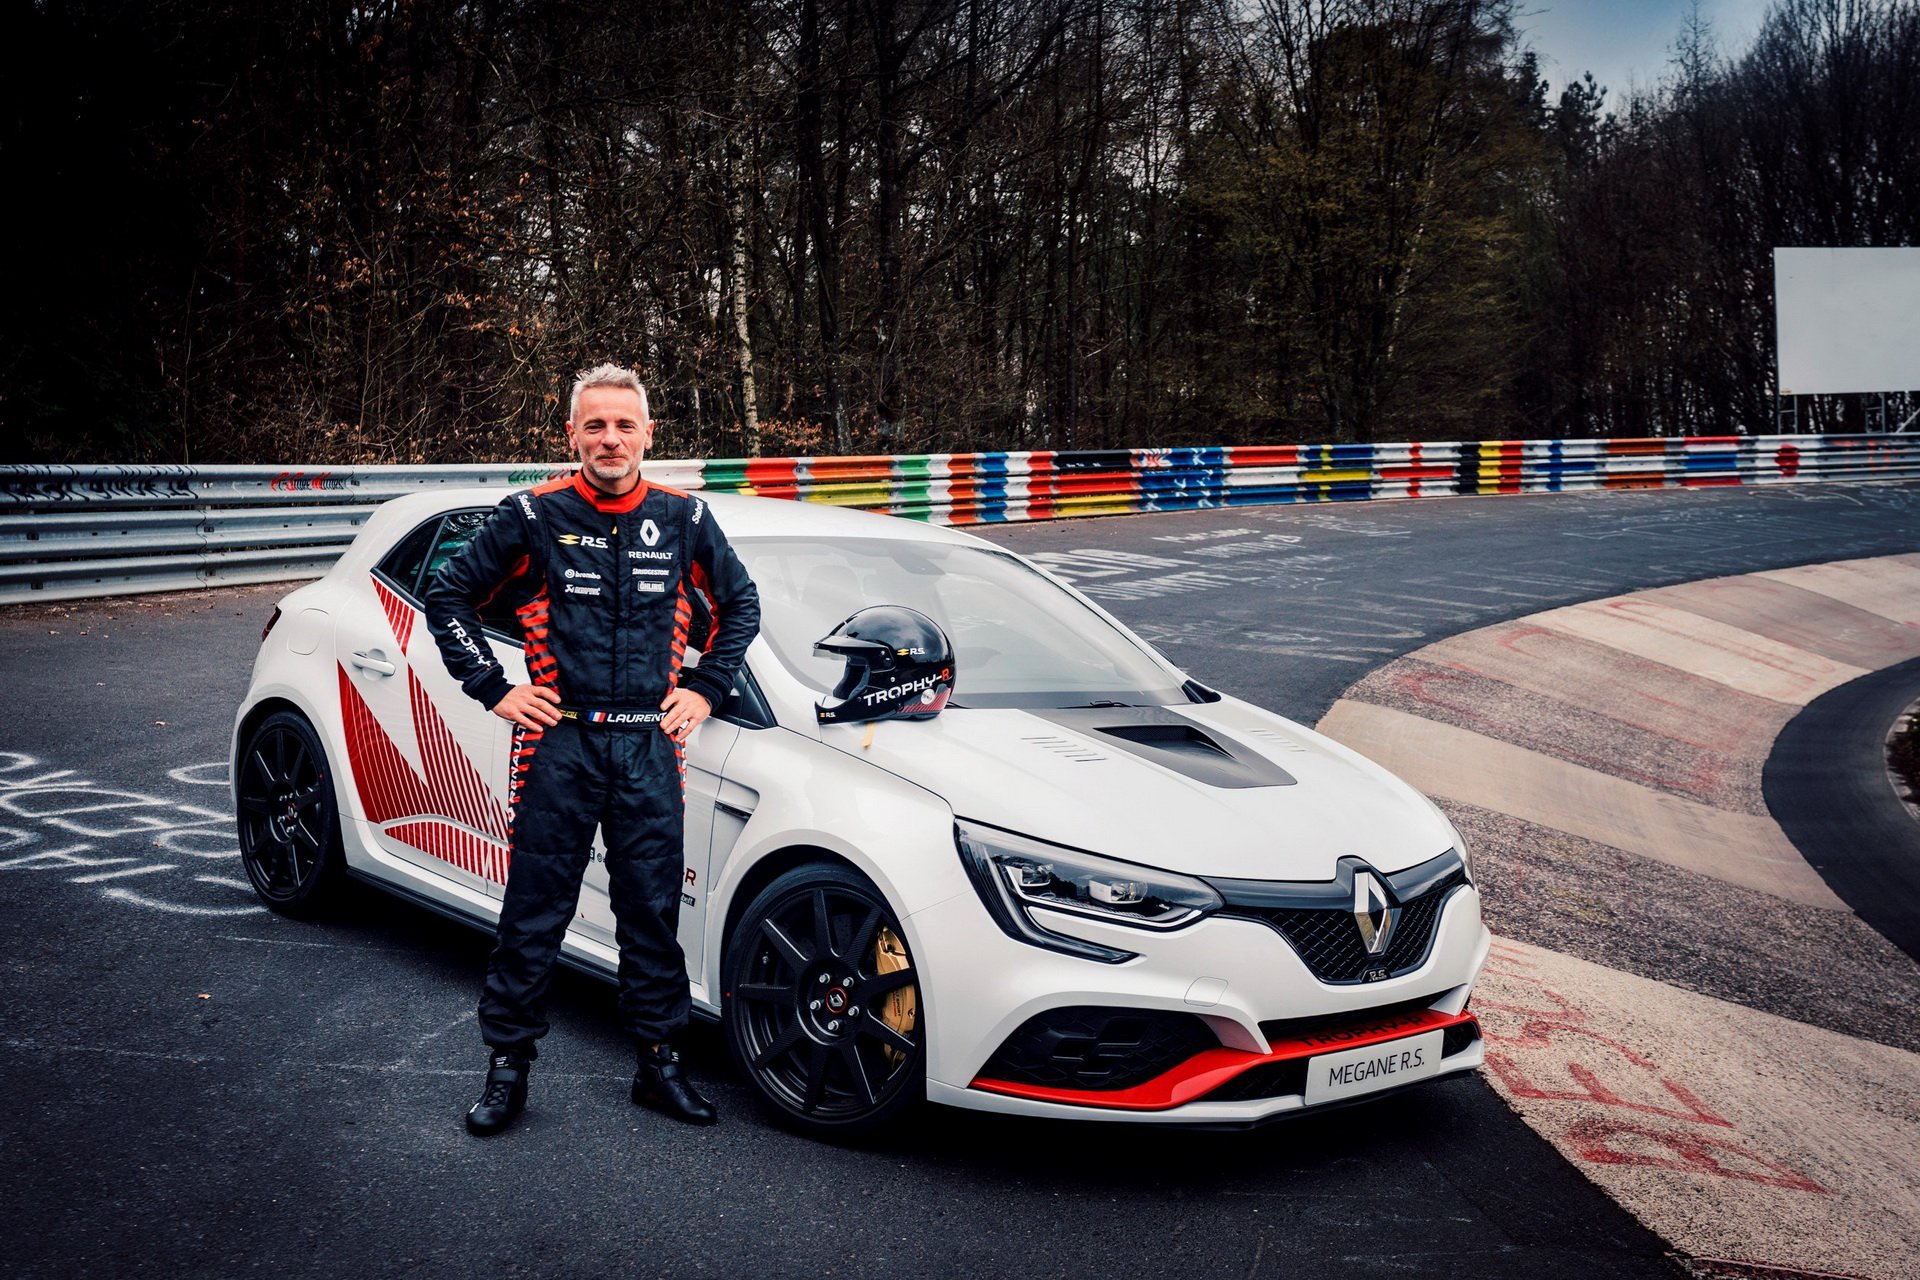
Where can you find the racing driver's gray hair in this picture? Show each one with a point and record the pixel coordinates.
(607, 375)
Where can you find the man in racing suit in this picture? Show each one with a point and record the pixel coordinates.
(604, 570)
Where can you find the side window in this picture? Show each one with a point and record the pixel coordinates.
(455, 531)
(402, 565)
(412, 564)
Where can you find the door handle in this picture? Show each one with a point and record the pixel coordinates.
(373, 662)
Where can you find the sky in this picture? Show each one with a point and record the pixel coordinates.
(1624, 42)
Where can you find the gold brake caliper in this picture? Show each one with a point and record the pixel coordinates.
(901, 1009)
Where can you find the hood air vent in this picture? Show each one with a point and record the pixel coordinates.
(1280, 740)
(1174, 742)
(1072, 749)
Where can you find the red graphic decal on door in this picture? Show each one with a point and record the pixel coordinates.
(455, 786)
(473, 854)
(399, 613)
(390, 788)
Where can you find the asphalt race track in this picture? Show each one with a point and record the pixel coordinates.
(195, 1086)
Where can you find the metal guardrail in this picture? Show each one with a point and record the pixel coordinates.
(75, 532)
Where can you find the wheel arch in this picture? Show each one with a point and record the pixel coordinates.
(771, 867)
(251, 718)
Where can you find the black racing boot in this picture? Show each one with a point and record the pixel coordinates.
(505, 1095)
(661, 1083)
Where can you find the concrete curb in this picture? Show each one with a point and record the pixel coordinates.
(1679, 1002)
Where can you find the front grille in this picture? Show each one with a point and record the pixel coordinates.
(1279, 1029)
(1098, 1048)
(1268, 1080)
(1328, 940)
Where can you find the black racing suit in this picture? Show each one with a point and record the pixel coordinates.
(605, 590)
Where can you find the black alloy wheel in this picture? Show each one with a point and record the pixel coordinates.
(288, 819)
(822, 1004)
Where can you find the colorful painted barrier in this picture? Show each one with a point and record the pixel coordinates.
(976, 488)
(69, 532)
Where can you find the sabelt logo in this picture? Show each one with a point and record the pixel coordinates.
(699, 509)
(526, 505)
(581, 540)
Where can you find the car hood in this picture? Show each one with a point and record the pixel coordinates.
(1213, 789)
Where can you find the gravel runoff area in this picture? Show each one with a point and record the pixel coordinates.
(1677, 1001)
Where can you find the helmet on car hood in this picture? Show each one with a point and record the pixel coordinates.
(899, 666)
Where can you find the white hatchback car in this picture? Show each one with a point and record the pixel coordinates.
(1091, 888)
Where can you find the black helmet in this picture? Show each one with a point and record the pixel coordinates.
(899, 666)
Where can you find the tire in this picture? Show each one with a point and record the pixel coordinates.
(828, 1058)
(288, 817)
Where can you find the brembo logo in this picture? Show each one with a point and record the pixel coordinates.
(583, 573)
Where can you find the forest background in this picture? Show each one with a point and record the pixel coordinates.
(324, 231)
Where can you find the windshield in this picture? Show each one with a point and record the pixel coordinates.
(1018, 639)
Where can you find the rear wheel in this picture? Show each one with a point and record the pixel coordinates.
(288, 819)
(822, 1005)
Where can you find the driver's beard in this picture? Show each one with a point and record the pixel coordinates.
(612, 472)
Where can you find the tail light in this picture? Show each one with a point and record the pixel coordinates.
(271, 619)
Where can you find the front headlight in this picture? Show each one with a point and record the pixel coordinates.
(1015, 874)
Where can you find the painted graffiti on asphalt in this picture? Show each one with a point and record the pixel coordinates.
(1639, 1117)
(131, 847)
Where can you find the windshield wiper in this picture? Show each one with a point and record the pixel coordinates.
(1097, 702)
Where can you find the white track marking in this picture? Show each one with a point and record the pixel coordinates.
(129, 871)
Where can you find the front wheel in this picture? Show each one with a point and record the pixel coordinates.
(289, 821)
(822, 1004)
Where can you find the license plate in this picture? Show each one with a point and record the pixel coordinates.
(1352, 1072)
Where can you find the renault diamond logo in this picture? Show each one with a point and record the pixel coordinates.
(1371, 912)
(649, 532)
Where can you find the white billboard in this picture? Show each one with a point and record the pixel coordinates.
(1847, 320)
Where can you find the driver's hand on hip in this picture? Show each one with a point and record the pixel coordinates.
(682, 712)
(531, 706)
